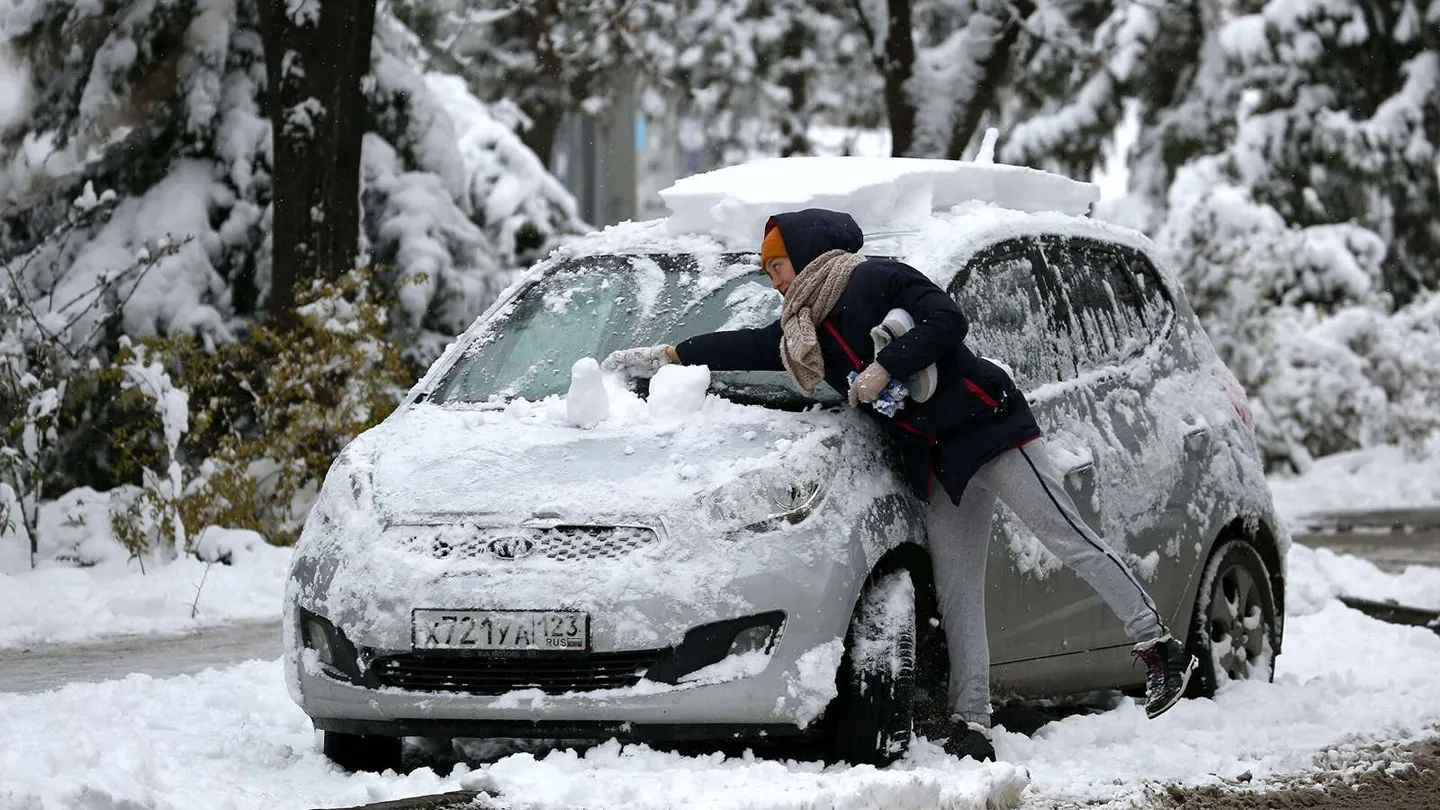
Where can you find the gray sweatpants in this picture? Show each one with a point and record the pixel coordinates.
(1026, 480)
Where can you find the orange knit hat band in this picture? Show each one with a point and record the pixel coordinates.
(773, 246)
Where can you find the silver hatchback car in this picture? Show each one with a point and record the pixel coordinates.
(716, 558)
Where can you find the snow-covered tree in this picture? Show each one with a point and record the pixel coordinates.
(1286, 160)
(549, 57)
(167, 106)
(1301, 315)
(1327, 110)
(1079, 63)
(750, 78)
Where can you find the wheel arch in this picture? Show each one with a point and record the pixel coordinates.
(1260, 535)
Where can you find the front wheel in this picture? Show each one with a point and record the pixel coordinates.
(363, 752)
(874, 711)
(1235, 629)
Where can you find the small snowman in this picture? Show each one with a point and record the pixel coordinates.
(586, 404)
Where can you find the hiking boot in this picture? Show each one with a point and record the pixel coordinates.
(969, 740)
(1167, 672)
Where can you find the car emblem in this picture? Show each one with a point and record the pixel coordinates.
(511, 548)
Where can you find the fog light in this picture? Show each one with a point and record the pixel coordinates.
(318, 640)
(757, 638)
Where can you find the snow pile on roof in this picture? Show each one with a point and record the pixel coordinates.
(880, 193)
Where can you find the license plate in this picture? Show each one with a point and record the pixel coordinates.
(510, 630)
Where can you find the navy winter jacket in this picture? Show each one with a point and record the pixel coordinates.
(976, 412)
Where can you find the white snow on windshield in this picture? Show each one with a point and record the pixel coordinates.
(649, 283)
(751, 306)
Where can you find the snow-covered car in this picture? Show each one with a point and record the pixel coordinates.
(526, 549)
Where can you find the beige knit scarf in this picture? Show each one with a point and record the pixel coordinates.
(812, 295)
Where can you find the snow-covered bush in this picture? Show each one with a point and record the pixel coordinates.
(278, 407)
(51, 357)
(1300, 315)
(151, 522)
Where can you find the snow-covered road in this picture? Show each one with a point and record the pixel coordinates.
(231, 738)
(50, 666)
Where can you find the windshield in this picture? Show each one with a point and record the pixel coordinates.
(588, 307)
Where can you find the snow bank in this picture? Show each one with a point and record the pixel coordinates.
(881, 193)
(642, 779)
(1344, 681)
(59, 603)
(1384, 477)
(85, 588)
(1319, 575)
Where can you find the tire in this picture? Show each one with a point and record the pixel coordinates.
(1235, 630)
(874, 711)
(363, 752)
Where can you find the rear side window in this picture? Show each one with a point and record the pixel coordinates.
(1111, 304)
(1053, 307)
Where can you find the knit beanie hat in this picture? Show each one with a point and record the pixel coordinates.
(772, 246)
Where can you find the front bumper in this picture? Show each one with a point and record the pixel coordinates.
(561, 730)
(783, 694)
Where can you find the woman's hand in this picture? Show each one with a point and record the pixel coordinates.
(643, 361)
(869, 384)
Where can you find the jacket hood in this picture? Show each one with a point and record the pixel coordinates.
(814, 231)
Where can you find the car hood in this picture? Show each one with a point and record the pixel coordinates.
(435, 464)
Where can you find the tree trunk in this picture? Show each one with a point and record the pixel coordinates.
(545, 120)
(316, 53)
(897, 65)
(793, 127)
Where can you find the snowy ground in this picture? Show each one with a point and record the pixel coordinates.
(1376, 478)
(231, 738)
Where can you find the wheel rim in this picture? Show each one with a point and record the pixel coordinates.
(1238, 630)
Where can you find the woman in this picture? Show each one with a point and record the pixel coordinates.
(975, 435)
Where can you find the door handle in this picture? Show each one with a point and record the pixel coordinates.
(1083, 468)
(1195, 432)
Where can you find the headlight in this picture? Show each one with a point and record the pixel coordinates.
(347, 490)
(317, 638)
(765, 499)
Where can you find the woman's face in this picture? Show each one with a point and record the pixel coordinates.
(781, 273)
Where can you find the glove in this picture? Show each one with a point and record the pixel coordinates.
(869, 384)
(638, 362)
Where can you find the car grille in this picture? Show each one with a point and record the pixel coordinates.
(565, 543)
(496, 676)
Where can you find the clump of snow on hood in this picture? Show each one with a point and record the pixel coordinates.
(734, 202)
(677, 391)
(586, 403)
